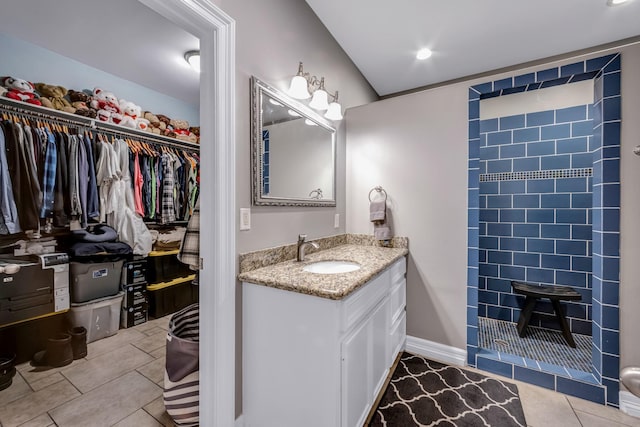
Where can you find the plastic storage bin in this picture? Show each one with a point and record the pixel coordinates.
(101, 318)
(89, 281)
(163, 266)
(167, 298)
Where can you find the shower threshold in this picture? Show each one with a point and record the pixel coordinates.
(545, 349)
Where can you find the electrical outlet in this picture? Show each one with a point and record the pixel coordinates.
(245, 219)
(336, 221)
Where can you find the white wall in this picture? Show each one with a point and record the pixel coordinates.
(35, 64)
(272, 36)
(415, 146)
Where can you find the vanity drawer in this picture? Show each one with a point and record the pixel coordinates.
(398, 271)
(397, 337)
(361, 302)
(397, 300)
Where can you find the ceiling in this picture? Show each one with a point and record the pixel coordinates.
(467, 37)
(121, 37)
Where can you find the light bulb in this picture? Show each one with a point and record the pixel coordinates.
(293, 113)
(334, 112)
(310, 122)
(423, 53)
(298, 88)
(320, 100)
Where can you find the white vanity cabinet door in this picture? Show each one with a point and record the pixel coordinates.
(355, 374)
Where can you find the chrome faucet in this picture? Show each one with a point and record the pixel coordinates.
(302, 246)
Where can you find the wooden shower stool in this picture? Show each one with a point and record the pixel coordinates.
(555, 294)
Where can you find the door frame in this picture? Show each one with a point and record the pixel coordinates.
(216, 31)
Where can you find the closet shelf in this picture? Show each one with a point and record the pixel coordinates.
(38, 112)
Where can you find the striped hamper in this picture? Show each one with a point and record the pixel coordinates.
(181, 376)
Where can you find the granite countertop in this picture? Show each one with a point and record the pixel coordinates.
(289, 275)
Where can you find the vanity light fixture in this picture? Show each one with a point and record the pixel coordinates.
(193, 58)
(304, 84)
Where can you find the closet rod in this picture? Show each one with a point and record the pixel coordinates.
(35, 111)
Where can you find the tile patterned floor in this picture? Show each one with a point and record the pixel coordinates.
(132, 397)
(119, 383)
(539, 344)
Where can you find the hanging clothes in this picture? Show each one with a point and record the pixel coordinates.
(26, 190)
(121, 214)
(49, 176)
(10, 222)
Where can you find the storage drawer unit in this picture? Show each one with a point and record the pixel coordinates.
(134, 315)
(134, 272)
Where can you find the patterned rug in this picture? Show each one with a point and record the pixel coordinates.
(427, 393)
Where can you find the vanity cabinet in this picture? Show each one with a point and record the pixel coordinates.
(312, 361)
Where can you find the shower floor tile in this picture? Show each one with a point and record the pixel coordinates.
(542, 345)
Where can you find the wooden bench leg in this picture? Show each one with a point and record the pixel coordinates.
(566, 333)
(525, 315)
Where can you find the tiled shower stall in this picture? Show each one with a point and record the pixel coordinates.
(544, 202)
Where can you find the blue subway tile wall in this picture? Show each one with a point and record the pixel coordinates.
(600, 130)
(543, 227)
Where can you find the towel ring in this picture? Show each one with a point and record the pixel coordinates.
(316, 194)
(379, 189)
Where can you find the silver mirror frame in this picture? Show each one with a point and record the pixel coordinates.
(258, 88)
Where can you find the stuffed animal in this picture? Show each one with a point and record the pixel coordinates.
(132, 115)
(155, 124)
(196, 131)
(181, 130)
(54, 97)
(79, 101)
(165, 126)
(106, 106)
(20, 90)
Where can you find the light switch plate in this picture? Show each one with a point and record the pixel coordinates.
(245, 219)
(336, 221)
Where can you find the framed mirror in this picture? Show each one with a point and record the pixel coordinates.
(293, 151)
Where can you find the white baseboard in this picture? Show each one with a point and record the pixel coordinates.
(629, 404)
(436, 351)
(239, 421)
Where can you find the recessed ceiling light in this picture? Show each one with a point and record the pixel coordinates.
(615, 2)
(423, 53)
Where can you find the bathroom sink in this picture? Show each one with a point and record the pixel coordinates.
(331, 267)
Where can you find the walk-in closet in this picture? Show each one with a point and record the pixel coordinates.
(97, 195)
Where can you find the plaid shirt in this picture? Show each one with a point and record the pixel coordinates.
(49, 176)
(168, 206)
(190, 247)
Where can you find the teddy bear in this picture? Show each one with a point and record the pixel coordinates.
(196, 131)
(181, 130)
(165, 126)
(106, 106)
(53, 97)
(156, 126)
(79, 101)
(20, 90)
(132, 115)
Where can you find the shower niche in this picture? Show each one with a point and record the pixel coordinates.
(544, 192)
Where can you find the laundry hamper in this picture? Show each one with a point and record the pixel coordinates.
(181, 377)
